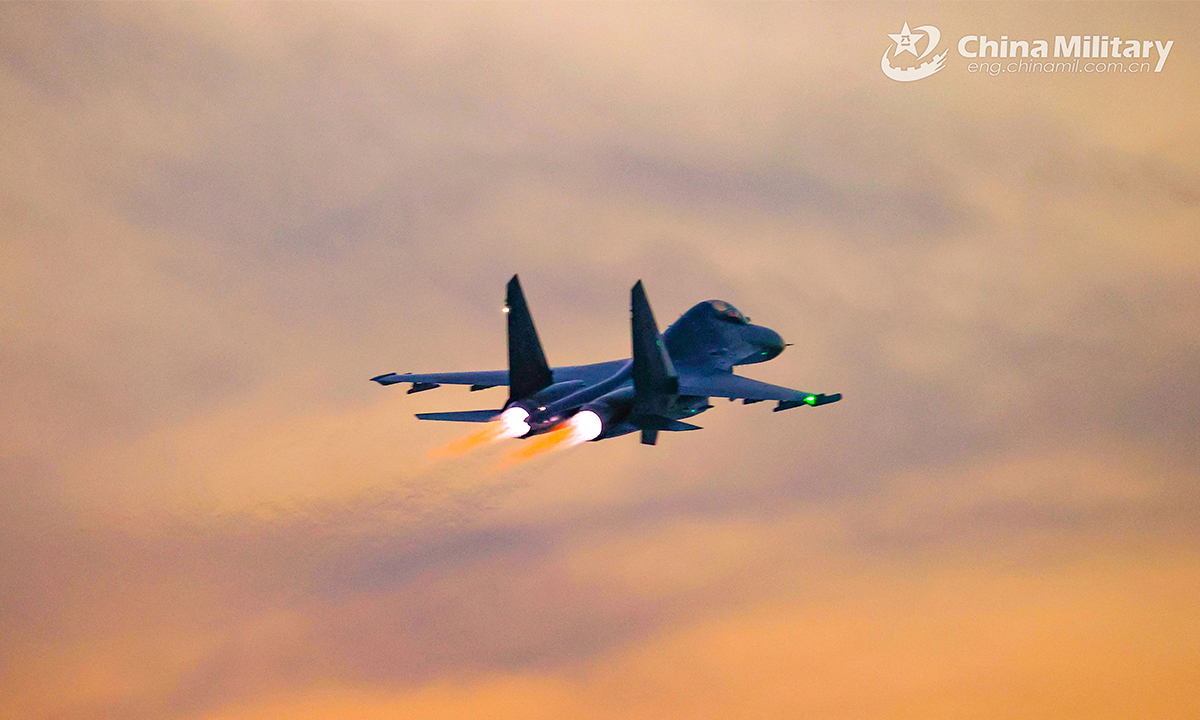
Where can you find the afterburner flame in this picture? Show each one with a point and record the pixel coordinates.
(510, 423)
(586, 425)
(583, 426)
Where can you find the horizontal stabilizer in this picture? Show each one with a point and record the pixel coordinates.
(651, 425)
(658, 422)
(477, 416)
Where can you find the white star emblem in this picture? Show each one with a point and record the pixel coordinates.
(906, 41)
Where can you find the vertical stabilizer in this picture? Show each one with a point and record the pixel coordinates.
(527, 368)
(654, 378)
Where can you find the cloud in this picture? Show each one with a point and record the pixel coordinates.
(395, 589)
(957, 634)
(219, 221)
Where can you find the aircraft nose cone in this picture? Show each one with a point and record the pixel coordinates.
(773, 344)
(765, 342)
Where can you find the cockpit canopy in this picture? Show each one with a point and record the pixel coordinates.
(729, 313)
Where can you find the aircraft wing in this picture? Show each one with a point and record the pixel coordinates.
(428, 381)
(483, 379)
(750, 391)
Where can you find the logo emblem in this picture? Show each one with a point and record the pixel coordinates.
(906, 41)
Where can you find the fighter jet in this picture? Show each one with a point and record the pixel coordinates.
(670, 377)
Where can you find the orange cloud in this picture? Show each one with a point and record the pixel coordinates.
(1080, 639)
(218, 220)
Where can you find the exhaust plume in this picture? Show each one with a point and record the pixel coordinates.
(510, 423)
(583, 426)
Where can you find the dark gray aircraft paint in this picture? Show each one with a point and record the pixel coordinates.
(670, 377)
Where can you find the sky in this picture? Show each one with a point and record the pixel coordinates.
(217, 221)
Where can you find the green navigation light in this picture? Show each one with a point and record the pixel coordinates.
(811, 399)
